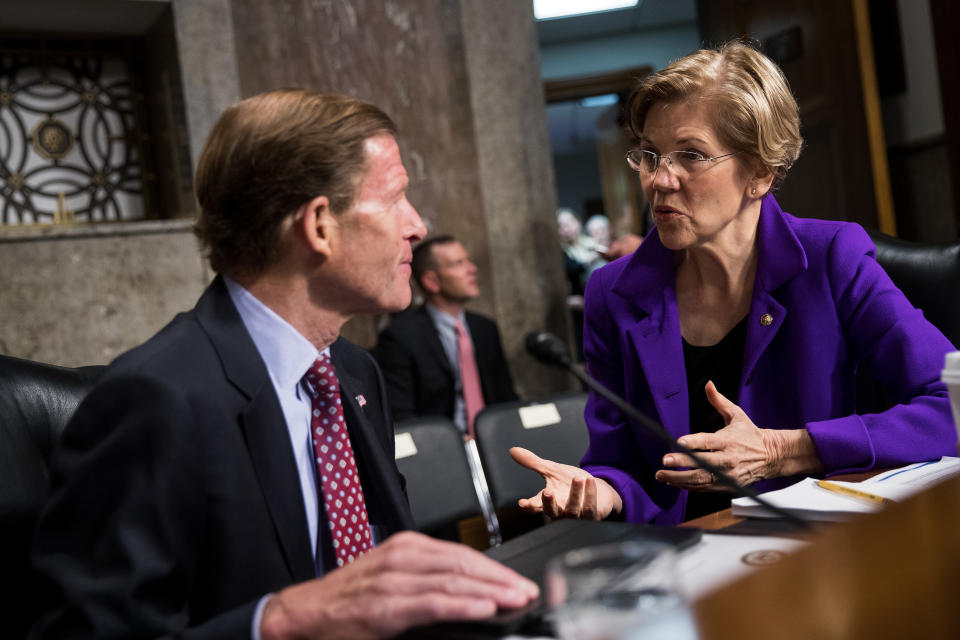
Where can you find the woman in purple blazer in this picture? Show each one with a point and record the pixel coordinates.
(739, 326)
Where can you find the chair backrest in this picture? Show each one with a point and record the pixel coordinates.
(553, 429)
(431, 456)
(36, 402)
(928, 274)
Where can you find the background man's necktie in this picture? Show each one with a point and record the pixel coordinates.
(337, 475)
(469, 376)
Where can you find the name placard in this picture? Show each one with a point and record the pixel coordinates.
(539, 415)
(405, 446)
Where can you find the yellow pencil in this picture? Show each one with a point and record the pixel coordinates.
(854, 493)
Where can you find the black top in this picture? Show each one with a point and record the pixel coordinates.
(722, 363)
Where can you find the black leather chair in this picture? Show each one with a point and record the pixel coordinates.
(928, 274)
(36, 402)
(432, 458)
(499, 427)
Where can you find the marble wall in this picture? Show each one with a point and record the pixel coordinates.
(516, 176)
(85, 295)
(461, 79)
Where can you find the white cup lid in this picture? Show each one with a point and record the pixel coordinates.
(951, 368)
(952, 360)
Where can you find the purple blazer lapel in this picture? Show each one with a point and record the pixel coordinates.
(651, 323)
(781, 258)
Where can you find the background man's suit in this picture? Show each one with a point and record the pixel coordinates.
(190, 495)
(420, 379)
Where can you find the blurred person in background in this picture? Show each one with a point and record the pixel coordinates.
(598, 229)
(440, 359)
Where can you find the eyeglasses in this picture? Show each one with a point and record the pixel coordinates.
(646, 162)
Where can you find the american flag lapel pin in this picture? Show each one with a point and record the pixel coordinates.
(361, 400)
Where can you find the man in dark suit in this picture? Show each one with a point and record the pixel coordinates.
(439, 359)
(212, 484)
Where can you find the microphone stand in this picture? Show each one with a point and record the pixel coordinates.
(657, 430)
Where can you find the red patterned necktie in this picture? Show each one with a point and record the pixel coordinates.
(469, 376)
(336, 466)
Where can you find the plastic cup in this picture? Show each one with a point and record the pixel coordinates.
(620, 591)
(951, 377)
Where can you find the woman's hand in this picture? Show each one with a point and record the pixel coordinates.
(741, 449)
(571, 492)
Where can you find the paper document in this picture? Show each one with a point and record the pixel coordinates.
(811, 502)
(719, 559)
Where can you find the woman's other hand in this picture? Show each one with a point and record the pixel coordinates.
(570, 492)
(744, 451)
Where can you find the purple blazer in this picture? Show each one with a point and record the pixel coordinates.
(833, 309)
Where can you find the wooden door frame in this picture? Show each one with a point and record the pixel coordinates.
(573, 88)
(622, 83)
(886, 216)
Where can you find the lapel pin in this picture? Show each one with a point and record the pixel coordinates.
(361, 400)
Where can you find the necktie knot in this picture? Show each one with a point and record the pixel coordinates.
(321, 377)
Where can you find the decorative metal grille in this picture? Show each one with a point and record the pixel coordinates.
(69, 149)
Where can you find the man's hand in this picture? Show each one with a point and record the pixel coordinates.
(409, 580)
(570, 492)
(743, 450)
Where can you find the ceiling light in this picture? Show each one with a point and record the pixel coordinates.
(547, 9)
(604, 100)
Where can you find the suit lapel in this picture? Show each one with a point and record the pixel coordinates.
(781, 258)
(373, 462)
(269, 445)
(263, 425)
(652, 325)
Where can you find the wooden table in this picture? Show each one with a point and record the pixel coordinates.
(890, 574)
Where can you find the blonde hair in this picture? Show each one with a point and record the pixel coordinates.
(267, 156)
(755, 112)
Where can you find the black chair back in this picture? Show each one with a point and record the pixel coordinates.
(432, 458)
(554, 429)
(36, 402)
(928, 274)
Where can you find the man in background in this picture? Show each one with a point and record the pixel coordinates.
(234, 476)
(439, 359)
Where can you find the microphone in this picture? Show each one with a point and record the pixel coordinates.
(550, 350)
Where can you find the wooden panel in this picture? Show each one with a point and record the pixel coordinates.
(833, 177)
(946, 35)
(886, 220)
(893, 574)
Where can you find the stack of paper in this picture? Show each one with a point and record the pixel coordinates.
(808, 500)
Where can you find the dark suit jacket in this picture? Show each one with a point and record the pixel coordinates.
(176, 503)
(420, 380)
